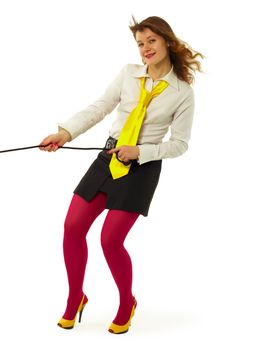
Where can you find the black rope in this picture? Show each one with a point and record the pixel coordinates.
(65, 147)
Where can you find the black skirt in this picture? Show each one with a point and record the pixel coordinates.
(132, 192)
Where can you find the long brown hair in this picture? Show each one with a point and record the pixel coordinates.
(182, 56)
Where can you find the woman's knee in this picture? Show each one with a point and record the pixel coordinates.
(81, 215)
(109, 241)
(71, 224)
(115, 229)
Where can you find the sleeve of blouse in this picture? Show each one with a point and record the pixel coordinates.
(94, 113)
(180, 134)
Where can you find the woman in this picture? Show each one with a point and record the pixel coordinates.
(124, 177)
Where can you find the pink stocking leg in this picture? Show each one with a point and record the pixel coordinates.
(115, 229)
(80, 216)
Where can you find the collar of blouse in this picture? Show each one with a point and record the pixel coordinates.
(141, 71)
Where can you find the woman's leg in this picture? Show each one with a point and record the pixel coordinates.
(115, 229)
(80, 216)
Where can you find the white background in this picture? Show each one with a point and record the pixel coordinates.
(198, 257)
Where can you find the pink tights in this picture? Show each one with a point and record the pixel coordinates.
(80, 216)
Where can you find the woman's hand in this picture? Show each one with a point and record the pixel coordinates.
(54, 141)
(126, 153)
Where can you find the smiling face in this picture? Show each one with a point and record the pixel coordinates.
(152, 47)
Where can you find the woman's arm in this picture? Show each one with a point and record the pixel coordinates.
(180, 134)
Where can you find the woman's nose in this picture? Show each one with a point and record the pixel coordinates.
(146, 48)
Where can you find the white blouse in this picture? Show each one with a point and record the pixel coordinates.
(173, 109)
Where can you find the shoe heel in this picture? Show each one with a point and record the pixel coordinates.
(69, 324)
(80, 315)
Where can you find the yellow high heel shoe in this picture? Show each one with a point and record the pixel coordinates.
(69, 324)
(117, 329)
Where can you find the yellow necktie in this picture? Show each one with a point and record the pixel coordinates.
(130, 132)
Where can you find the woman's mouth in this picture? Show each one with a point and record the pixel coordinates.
(149, 55)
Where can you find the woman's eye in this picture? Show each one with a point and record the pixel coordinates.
(152, 41)
(140, 45)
